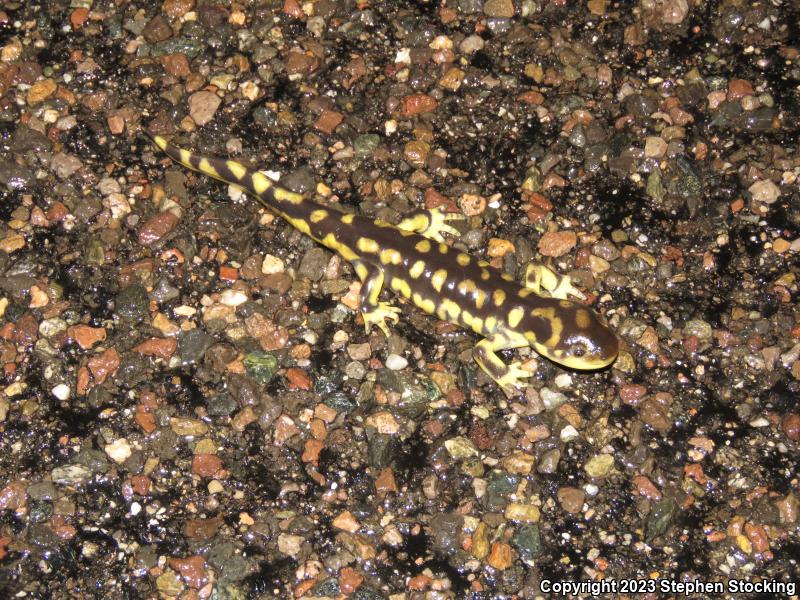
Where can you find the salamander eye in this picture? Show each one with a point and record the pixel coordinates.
(578, 350)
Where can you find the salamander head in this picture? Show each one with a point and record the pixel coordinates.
(571, 335)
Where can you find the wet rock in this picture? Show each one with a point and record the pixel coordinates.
(193, 346)
(132, 303)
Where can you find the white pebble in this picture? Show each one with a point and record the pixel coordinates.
(119, 450)
(395, 362)
(569, 433)
(61, 391)
(233, 297)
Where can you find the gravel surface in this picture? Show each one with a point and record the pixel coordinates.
(189, 405)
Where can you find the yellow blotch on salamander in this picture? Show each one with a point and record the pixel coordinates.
(401, 286)
(438, 279)
(317, 215)
(515, 316)
(417, 269)
(466, 287)
(367, 245)
(463, 259)
(390, 256)
(582, 319)
(423, 246)
(498, 297)
(239, 171)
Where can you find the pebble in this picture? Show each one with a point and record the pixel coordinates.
(557, 243)
(599, 466)
(395, 362)
(186, 426)
(272, 265)
(119, 450)
(202, 106)
(764, 191)
(61, 391)
(655, 147)
(527, 513)
(571, 499)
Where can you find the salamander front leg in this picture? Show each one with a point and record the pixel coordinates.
(538, 276)
(431, 223)
(373, 310)
(508, 377)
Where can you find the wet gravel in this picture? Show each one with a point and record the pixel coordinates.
(189, 405)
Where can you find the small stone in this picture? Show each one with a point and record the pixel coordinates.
(519, 463)
(472, 205)
(61, 391)
(460, 447)
(169, 584)
(395, 362)
(383, 422)
(11, 243)
(764, 191)
(187, 426)
(86, 336)
(528, 513)
(41, 91)
(206, 465)
(599, 466)
(781, 245)
(156, 227)
(654, 147)
(290, 544)
(119, 450)
(557, 243)
(346, 522)
(500, 556)
(418, 104)
(571, 499)
(202, 106)
(674, 12)
(597, 7)
(233, 297)
(192, 570)
(503, 9)
(328, 121)
(162, 348)
(499, 247)
(271, 265)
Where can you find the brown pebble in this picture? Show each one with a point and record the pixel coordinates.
(645, 487)
(86, 336)
(349, 580)
(346, 522)
(737, 88)
(571, 499)
(156, 227)
(206, 465)
(417, 104)
(557, 243)
(104, 365)
(192, 570)
(632, 393)
(328, 121)
(13, 496)
(791, 426)
(500, 556)
(158, 347)
(202, 106)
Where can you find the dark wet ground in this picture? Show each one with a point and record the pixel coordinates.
(190, 406)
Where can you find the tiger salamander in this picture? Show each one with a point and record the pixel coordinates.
(412, 260)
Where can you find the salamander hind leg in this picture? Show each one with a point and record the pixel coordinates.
(544, 281)
(374, 311)
(431, 223)
(508, 377)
